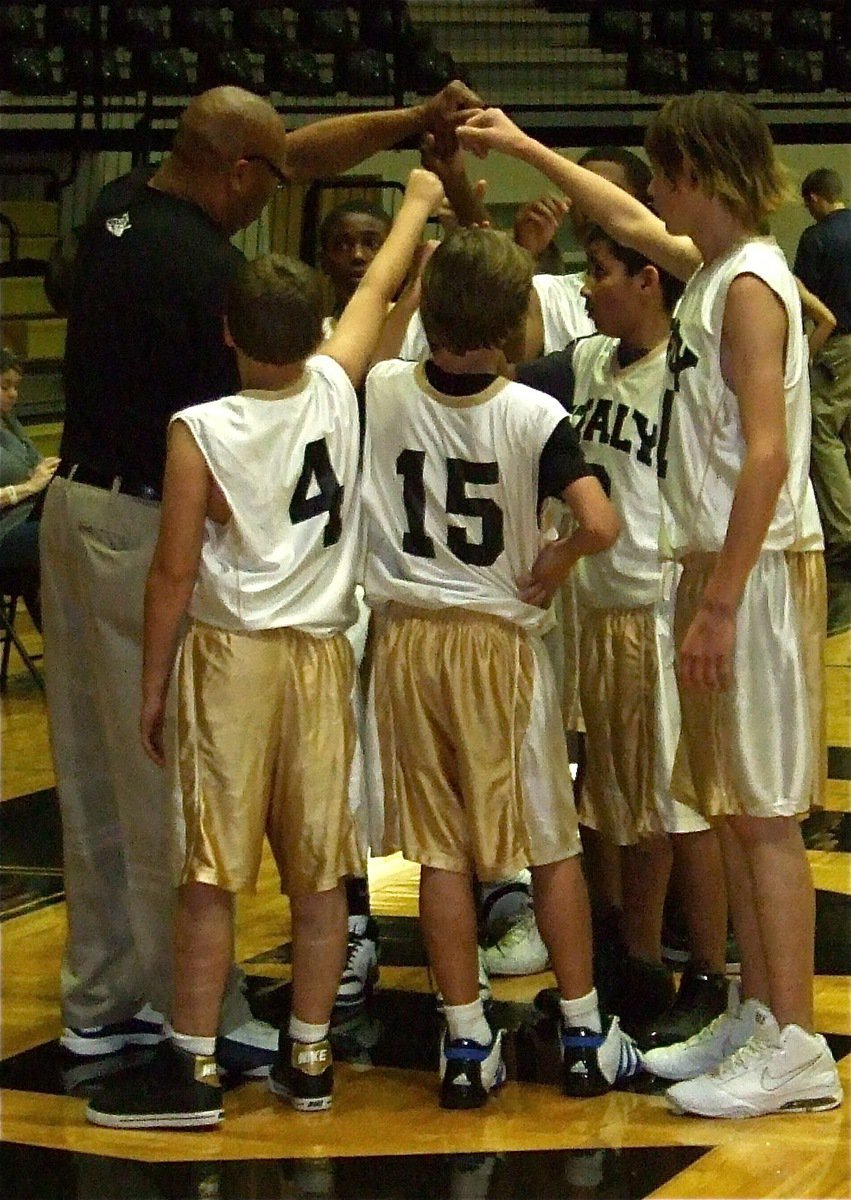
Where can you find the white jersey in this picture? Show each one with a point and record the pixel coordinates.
(563, 310)
(701, 462)
(616, 414)
(565, 317)
(287, 464)
(451, 492)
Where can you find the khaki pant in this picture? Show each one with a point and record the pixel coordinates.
(119, 825)
(830, 467)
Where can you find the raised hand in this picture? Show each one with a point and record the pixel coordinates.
(490, 130)
(537, 223)
(443, 113)
(425, 186)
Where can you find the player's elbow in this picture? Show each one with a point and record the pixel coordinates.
(603, 531)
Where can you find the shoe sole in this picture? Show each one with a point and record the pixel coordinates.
(97, 1048)
(809, 1104)
(299, 1103)
(197, 1120)
(508, 972)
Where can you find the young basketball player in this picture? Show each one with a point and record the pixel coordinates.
(612, 383)
(470, 746)
(260, 542)
(735, 501)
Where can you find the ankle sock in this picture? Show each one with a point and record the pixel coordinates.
(193, 1045)
(468, 1021)
(584, 1010)
(303, 1031)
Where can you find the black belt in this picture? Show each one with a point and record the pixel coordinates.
(110, 482)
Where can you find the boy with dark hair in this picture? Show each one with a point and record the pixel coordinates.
(350, 236)
(260, 543)
(464, 718)
(612, 383)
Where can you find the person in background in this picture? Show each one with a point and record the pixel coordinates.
(823, 265)
(24, 474)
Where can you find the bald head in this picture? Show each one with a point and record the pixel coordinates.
(225, 124)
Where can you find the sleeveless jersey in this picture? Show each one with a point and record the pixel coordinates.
(701, 466)
(616, 413)
(451, 492)
(287, 464)
(562, 308)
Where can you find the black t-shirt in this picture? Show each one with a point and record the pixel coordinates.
(145, 327)
(823, 264)
(562, 461)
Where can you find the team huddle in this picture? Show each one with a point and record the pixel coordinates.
(654, 474)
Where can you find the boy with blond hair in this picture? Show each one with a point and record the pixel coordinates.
(260, 542)
(738, 517)
(463, 712)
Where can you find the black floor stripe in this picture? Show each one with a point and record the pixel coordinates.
(40, 1174)
(839, 762)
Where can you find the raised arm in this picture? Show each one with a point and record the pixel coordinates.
(356, 335)
(752, 352)
(626, 219)
(171, 579)
(335, 144)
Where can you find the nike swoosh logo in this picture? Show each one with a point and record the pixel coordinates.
(771, 1083)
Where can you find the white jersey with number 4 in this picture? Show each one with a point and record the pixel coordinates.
(287, 464)
(451, 492)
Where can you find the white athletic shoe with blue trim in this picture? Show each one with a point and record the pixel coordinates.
(469, 1070)
(592, 1062)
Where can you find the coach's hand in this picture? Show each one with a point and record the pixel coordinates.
(443, 113)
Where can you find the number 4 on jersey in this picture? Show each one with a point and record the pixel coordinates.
(329, 499)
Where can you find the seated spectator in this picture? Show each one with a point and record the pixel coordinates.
(24, 474)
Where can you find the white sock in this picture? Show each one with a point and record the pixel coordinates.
(582, 1011)
(357, 925)
(303, 1031)
(193, 1045)
(468, 1021)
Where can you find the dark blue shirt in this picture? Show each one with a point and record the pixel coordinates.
(823, 264)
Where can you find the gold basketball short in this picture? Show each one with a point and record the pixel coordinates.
(808, 580)
(750, 750)
(632, 725)
(267, 743)
(472, 754)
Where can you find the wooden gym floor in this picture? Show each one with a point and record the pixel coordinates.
(385, 1136)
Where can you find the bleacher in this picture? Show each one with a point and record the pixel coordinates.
(87, 90)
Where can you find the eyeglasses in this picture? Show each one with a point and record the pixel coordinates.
(280, 177)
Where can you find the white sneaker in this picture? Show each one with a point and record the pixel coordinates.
(248, 1050)
(469, 1070)
(520, 951)
(143, 1029)
(707, 1048)
(774, 1072)
(360, 974)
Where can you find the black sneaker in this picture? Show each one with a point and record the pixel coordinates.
(469, 1070)
(646, 990)
(702, 997)
(176, 1090)
(303, 1072)
(592, 1063)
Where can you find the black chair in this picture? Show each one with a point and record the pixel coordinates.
(10, 637)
